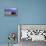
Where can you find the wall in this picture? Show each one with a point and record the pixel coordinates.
(29, 12)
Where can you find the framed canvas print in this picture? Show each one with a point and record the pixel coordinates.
(10, 12)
